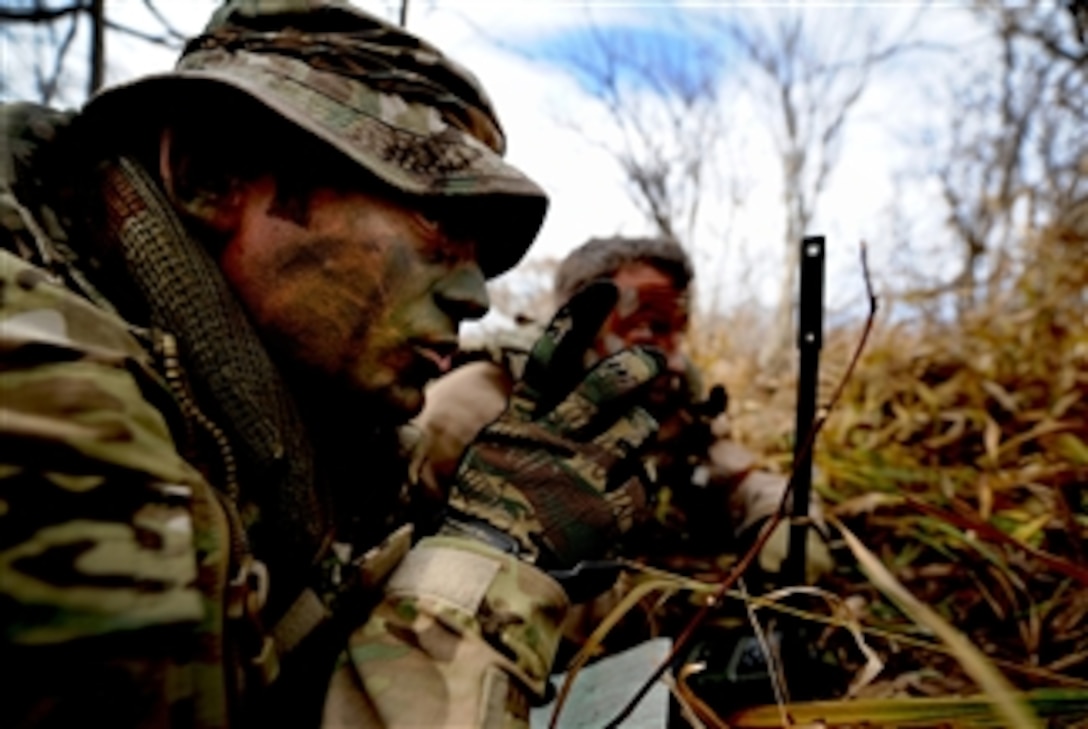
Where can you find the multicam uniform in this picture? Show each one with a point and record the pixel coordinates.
(167, 554)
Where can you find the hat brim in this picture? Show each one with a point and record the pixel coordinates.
(418, 154)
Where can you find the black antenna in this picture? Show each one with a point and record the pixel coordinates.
(810, 335)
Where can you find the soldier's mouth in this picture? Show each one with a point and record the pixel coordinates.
(439, 353)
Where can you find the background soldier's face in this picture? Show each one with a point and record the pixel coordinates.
(361, 290)
(650, 312)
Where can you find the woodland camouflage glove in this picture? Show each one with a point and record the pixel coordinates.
(558, 475)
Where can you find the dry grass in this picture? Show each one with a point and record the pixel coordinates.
(959, 456)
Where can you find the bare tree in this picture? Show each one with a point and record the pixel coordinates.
(96, 13)
(44, 34)
(675, 95)
(660, 98)
(807, 78)
(54, 28)
(1017, 155)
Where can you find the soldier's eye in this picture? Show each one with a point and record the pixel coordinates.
(429, 222)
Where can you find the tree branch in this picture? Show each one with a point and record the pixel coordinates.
(47, 88)
(167, 41)
(40, 14)
(171, 31)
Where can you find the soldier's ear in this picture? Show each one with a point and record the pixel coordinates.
(199, 187)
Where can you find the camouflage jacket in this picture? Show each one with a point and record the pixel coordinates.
(152, 528)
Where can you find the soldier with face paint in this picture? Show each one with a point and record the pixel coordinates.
(222, 289)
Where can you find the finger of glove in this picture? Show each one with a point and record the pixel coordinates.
(556, 360)
(512, 432)
(607, 387)
(626, 437)
(614, 455)
(614, 466)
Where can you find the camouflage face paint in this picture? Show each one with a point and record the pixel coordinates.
(360, 296)
(650, 312)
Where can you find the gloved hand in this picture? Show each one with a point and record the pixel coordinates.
(557, 477)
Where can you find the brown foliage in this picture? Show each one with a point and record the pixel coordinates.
(959, 453)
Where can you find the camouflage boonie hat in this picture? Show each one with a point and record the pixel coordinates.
(388, 100)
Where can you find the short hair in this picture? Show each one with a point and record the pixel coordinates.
(602, 257)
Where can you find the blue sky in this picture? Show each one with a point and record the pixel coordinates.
(657, 34)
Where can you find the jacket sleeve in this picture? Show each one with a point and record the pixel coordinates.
(106, 534)
(465, 637)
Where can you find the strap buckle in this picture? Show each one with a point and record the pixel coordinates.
(247, 594)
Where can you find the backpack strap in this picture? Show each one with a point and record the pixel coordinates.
(359, 578)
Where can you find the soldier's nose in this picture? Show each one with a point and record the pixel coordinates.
(463, 293)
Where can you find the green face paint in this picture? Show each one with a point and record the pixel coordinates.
(366, 295)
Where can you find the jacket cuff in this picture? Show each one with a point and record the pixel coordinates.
(472, 588)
